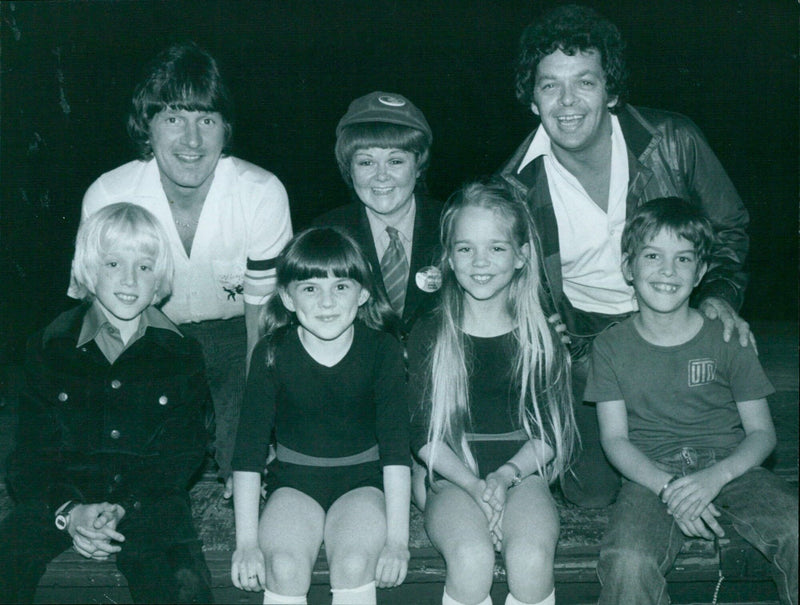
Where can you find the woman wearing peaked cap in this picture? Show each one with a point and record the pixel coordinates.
(383, 150)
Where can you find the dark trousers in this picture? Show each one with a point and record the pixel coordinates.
(161, 558)
(224, 344)
(593, 482)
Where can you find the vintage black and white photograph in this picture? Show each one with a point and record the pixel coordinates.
(361, 302)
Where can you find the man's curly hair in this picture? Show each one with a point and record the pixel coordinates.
(572, 28)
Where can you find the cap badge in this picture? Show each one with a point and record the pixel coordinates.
(391, 100)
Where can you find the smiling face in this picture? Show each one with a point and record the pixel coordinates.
(664, 273)
(384, 179)
(571, 99)
(326, 307)
(483, 256)
(187, 146)
(125, 285)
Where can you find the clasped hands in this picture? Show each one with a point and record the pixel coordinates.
(490, 495)
(689, 500)
(93, 528)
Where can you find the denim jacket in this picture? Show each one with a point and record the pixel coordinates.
(667, 156)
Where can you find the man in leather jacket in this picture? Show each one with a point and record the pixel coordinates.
(591, 162)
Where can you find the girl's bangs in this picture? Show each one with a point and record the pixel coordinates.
(322, 261)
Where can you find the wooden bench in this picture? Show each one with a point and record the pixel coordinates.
(70, 578)
(694, 579)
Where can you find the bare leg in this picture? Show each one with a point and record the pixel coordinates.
(355, 533)
(460, 531)
(290, 534)
(530, 534)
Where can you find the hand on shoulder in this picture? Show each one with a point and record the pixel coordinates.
(716, 308)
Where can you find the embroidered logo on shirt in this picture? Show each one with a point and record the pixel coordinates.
(702, 371)
(233, 291)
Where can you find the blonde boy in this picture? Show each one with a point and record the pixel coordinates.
(111, 425)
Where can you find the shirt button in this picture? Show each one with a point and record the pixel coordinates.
(163, 400)
(117, 478)
(137, 505)
(115, 434)
(115, 384)
(62, 396)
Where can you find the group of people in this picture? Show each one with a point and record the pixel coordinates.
(602, 263)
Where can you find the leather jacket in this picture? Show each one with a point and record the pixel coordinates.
(667, 156)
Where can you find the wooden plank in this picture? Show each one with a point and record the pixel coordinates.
(72, 579)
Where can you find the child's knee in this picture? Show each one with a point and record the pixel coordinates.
(625, 561)
(528, 561)
(352, 568)
(288, 572)
(470, 561)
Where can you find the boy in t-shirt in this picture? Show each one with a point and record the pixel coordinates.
(683, 416)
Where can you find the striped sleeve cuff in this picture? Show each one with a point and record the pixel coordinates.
(259, 281)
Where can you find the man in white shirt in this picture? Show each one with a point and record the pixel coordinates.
(227, 219)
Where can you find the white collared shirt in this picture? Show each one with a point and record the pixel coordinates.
(245, 217)
(589, 238)
(404, 225)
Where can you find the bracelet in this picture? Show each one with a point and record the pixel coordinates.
(666, 485)
(517, 479)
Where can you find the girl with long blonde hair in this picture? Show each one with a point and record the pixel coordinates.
(494, 424)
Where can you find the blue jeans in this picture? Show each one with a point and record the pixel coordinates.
(224, 344)
(642, 539)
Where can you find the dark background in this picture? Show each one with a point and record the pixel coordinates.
(68, 70)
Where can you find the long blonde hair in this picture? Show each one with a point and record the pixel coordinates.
(541, 362)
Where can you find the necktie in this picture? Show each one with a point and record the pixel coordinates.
(394, 267)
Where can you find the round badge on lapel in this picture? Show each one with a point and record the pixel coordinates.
(428, 279)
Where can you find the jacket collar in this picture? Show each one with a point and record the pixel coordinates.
(640, 136)
(68, 325)
(94, 320)
(641, 139)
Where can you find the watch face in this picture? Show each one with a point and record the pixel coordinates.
(61, 522)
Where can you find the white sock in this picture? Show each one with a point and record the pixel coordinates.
(548, 600)
(271, 598)
(448, 600)
(360, 595)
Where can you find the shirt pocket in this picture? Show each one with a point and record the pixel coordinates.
(228, 280)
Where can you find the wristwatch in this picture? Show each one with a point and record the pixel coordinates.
(62, 514)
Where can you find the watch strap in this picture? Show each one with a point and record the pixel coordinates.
(62, 514)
